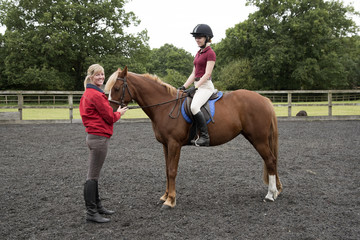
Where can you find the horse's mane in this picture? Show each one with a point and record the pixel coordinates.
(170, 89)
(112, 79)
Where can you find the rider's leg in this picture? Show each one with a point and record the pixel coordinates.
(200, 98)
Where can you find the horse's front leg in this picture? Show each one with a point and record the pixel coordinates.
(165, 196)
(172, 156)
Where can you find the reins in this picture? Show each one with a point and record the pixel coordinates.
(126, 87)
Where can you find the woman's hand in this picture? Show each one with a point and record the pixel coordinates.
(122, 110)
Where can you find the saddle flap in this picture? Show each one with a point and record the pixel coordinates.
(208, 109)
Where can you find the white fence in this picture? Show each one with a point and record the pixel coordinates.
(26, 99)
(51, 99)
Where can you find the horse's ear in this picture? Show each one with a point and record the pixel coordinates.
(124, 72)
(119, 69)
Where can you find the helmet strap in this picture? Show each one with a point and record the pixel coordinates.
(205, 45)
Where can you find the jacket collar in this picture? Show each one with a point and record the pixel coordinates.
(92, 86)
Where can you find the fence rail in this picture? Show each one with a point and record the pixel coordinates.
(33, 99)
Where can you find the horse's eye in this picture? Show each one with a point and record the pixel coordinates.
(116, 89)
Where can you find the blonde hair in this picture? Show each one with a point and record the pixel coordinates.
(92, 70)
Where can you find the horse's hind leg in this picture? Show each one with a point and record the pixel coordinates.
(270, 170)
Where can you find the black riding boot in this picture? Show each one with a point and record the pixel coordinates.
(204, 138)
(92, 213)
(100, 208)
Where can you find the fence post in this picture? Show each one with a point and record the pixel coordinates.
(289, 104)
(20, 105)
(330, 103)
(71, 107)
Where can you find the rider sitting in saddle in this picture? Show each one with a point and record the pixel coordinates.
(204, 63)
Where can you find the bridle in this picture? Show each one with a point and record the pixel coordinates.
(126, 87)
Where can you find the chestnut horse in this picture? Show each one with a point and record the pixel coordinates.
(238, 112)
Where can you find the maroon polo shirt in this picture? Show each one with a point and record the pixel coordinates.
(201, 58)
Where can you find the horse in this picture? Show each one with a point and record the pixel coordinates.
(237, 112)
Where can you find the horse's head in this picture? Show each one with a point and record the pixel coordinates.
(119, 93)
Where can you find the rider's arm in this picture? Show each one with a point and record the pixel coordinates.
(191, 79)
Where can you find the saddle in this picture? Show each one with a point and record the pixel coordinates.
(208, 109)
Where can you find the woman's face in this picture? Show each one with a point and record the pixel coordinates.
(98, 79)
(200, 41)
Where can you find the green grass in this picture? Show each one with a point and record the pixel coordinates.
(319, 110)
(63, 114)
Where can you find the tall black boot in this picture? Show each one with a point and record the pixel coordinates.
(204, 139)
(101, 209)
(92, 213)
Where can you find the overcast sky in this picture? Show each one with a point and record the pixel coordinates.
(171, 21)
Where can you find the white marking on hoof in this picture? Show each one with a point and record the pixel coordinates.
(269, 197)
(272, 191)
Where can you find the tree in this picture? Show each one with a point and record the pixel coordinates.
(170, 57)
(174, 78)
(50, 44)
(236, 75)
(294, 44)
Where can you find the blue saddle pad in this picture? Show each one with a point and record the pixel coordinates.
(211, 109)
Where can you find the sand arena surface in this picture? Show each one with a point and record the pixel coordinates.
(219, 189)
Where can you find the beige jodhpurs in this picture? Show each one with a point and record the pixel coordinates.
(201, 96)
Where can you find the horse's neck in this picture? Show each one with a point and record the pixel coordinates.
(149, 93)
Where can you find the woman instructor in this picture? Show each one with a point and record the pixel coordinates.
(98, 118)
(204, 63)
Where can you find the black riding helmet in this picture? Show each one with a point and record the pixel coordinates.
(203, 30)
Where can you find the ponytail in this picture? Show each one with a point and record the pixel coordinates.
(87, 80)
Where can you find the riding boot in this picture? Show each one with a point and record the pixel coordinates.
(92, 213)
(101, 209)
(204, 139)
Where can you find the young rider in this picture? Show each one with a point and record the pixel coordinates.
(204, 63)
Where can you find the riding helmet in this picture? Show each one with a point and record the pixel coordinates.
(202, 30)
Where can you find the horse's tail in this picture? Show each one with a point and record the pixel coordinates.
(273, 143)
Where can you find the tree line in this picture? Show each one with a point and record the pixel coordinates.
(288, 44)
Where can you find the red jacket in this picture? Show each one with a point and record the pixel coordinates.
(96, 113)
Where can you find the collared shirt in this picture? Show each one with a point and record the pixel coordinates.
(201, 59)
(96, 113)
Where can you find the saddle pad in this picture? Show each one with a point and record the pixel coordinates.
(208, 107)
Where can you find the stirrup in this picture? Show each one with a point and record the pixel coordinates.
(198, 145)
(205, 145)
(195, 140)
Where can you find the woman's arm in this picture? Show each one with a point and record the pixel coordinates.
(191, 79)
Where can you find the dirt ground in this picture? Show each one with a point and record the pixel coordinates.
(219, 190)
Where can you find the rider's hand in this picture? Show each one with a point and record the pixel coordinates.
(190, 90)
(182, 88)
(122, 110)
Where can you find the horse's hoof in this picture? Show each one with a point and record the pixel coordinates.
(166, 207)
(160, 202)
(269, 200)
(269, 197)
